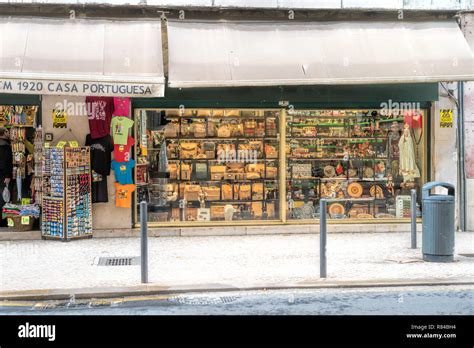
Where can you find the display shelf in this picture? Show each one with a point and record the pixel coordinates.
(67, 206)
(222, 138)
(265, 133)
(325, 155)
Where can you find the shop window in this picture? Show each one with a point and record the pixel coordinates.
(208, 164)
(369, 159)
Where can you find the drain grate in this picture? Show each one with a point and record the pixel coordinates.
(467, 255)
(119, 261)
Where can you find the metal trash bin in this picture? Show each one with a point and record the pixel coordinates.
(438, 223)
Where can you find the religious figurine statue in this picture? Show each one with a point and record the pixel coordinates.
(202, 199)
(390, 185)
(407, 165)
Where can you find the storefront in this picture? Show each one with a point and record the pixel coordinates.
(349, 120)
(43, 104)
(268, 155)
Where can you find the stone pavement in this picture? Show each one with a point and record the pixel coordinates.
(227, 262)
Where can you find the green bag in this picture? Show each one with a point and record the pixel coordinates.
(200, 171)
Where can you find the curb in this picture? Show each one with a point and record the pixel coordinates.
(119, 294)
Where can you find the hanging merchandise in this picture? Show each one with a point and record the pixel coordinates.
(120, 127)
(121, 106)
(123, 195)
(20, 115)
(38, 153)
(123, 171)
(122, 152)
(67, 203)
(101, 158)
(99, 112)
(143, 138)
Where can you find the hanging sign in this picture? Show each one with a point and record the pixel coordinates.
(80, 88)
(59, 119)
(73, 143)
(25, 201)
(446, 118)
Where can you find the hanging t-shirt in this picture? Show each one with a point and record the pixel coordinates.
(122, 152)
(123, 195)
(100, 193)
(123, 171)
(122, 106)
(101, 150)
(99, 112)
(120, 127)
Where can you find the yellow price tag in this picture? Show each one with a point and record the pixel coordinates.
(61, 144)
(25, 220)
(10, 222)
(73, 143)
(46, 145)
(25, 201)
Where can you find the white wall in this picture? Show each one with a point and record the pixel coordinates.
(105, 215)
(467, 23)
(444, 163)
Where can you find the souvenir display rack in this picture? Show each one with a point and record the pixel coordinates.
(341, 154)
(38, 155)
(67, 201)
(216, 158)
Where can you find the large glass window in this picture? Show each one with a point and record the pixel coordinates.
(208, 164)
(368, 159)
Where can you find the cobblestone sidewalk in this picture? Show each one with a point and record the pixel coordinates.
(240, 261)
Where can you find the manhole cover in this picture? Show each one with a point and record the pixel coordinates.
(118, 261)
(202, 300)
(467, 255)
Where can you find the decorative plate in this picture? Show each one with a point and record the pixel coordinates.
(376, 191)
(336, 209)
(355, 190)
(368, 172)
(329, 171)
(384, 216)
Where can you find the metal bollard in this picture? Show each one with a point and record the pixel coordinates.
(322, 238)
(413, 219)
(144, 240)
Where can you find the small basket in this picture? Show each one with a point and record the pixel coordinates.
(18, 226)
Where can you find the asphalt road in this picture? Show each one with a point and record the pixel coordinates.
(434, 300)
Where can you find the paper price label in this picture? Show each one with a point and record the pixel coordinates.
(446, 118)
(73, 143)
(61, 144)
(25, 201)
(10, 222)
(25, 220)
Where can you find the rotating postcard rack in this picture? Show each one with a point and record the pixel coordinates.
(67, 201)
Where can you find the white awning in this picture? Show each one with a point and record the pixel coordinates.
(224, 53)
(81, 57)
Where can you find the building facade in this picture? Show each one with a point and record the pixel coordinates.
(265, 107)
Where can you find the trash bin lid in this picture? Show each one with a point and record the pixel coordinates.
(426, 190)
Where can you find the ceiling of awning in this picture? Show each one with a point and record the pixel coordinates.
(115, 57)
(225, 53)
